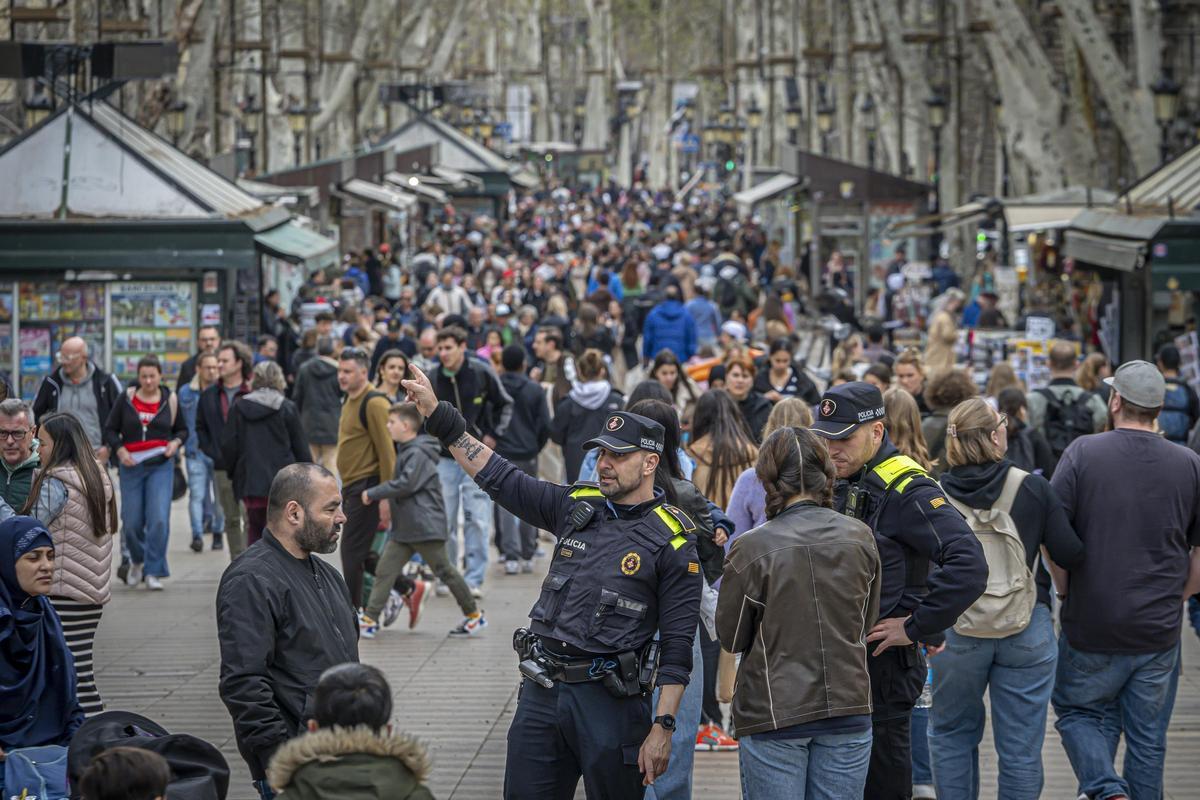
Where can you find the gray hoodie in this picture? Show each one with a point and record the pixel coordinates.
(418, 511)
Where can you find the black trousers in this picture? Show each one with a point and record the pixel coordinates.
(570, 730)
(897, 678)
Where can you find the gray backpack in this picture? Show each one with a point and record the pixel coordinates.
(1006, 605)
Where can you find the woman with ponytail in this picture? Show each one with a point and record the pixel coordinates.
(808, 574)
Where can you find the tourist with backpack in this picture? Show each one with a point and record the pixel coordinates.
(1004, 643)
(1181, 407)
(1063, 411)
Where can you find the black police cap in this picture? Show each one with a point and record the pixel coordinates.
(843, 408)
(624, 432)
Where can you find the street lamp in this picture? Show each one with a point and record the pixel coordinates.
(998, 105)
(725, 115)
(250, 119)
(297, 116)
(937, 118)
(176, 117)
(754, 113)
(37, 108)
(825, 114)
(791, 117)
(1166, 104)
(871, 126)
(485, 126)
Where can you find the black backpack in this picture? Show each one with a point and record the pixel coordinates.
(1066, 421)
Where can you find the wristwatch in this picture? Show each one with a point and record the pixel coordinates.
(666, 720)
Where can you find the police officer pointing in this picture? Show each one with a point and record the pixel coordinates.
(933, 568)
(625, 566)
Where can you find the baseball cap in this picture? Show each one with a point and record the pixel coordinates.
(843, 408)
(502, 310)
(394, 325)
(1140, 383)
(624, 432)
(735, 329)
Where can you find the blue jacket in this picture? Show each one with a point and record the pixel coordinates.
(669, 327)
(707, 318)
(189, 402)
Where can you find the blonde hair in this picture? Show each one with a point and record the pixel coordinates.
(268, 375)
(790, 412)
(590, 365)
(903, 424)
(843, 354)
(1088, 374)
(912, 357)
(1002, 377)
(969, 434)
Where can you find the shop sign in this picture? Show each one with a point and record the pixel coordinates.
(1039, 328)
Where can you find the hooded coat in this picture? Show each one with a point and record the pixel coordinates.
(415, 492)
(580, 416)
(669, 326)
(350, 764)
(319, 399)
(262, 436)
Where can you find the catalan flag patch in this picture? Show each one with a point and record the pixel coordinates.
(693, 568)
(937, 502)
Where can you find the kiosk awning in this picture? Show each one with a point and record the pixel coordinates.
(296, 244)
(770, 188)
(374, 194)
(1105, 251)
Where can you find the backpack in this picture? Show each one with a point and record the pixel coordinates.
(1066, 419)
(1174, 420)
(1006, 605)
(362, 407)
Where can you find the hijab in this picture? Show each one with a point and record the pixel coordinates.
(38, 704)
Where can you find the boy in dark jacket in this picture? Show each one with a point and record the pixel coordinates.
(350, 751)
(418, 524)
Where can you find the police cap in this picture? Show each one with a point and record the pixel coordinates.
(624, 432)
(843, 408)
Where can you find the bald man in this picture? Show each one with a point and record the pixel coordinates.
(80, 388)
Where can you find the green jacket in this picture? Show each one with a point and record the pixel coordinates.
(350, 764)
(17, 481)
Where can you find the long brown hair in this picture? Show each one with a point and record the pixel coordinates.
(794, 461)
(731, 447)
(903, 423)
(72, 449)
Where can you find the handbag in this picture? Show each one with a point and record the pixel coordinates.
(180, 487)
(39, 772)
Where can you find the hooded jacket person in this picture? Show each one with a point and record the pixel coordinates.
(262, 436)
(581, 414)
(418, 511)
(351, 764)
(669, 326)
(318, 398)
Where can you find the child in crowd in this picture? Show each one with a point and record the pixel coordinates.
(350, 751)
(125, 773)
(418, 522)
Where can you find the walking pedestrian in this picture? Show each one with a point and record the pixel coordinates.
(528, 432)
(16, 451)
(146, 430)
(234, 365)
(1062, 411)
(79, 386)
(208, 339)
(204, 512)
(581, 414)
(753, 406)
(318, 398)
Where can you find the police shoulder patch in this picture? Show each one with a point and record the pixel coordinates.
(693, 568)
(937, 502)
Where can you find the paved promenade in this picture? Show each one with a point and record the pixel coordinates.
(156, 653)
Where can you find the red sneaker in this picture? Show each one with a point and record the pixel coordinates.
(416, 602)
(716, 739)
(703, 739)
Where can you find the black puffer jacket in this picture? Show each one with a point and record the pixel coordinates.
(319, 399)
(281, 622)
(261, 437)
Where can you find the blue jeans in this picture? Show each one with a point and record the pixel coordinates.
(818, 768)
(201, 494)
(146, 514)
(264, 790)
(922, 769)
(1017, 672)
(676, 782)
(1143, 688)
(477, 519)
(518, 539)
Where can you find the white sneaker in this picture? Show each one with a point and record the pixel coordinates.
(135, 575)
(511, 567)
(442, 590)
(153, 583)
(476, 591)
(392, 608)
(527, 566)
(924, 791)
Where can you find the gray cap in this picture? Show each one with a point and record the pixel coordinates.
(1140, 383)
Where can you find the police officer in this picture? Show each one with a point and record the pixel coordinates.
(933, 568)
(625, 566)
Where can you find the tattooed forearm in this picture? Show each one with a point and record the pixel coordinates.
(471, 448)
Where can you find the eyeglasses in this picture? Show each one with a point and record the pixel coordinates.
(1003, 423)
(15, 436)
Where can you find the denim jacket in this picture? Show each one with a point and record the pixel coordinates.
(189, 401)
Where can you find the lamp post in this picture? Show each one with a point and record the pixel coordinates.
(1166, 104)
(937, 118)
(791, 117)
(176, 117)
(534, 109)
(1005, 177)
(825, 114)
(250, 119)
(297, 116)
(754, 116)
(870, 126)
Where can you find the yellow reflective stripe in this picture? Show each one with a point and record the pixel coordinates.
(678, 541)
(670, 521)
(896, 466)
(900, 487)
(587, 491)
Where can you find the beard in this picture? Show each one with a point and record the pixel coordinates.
(314, 538)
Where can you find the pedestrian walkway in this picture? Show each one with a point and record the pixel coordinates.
(156, 654)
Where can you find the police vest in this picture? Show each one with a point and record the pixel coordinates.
(886, 482)
(600, 594)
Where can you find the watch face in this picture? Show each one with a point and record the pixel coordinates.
(667, 721)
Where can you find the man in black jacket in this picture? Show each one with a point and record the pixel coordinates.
(283, 616)
(235, 363)
(471, 387)
(528, 432)
(207, 340)
(79, 388)
(319, 400)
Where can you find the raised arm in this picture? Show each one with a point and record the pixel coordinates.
(446, 424)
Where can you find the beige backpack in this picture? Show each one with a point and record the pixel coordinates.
(1006, 605)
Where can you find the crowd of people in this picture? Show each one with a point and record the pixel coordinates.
(883, 549)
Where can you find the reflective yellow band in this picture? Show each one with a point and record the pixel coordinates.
(678, 541)
(900, 486)
(587, 491)
(669, 520)
(896, 466)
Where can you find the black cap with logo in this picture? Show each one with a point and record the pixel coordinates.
(624, 432)
(843, 408)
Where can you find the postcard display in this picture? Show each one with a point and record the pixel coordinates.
(151, 318)
(49, 314)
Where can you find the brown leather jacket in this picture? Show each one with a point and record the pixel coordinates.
(798, 596)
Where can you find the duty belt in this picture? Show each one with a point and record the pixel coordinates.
(626, 674)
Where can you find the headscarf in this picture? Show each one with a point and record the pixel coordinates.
(38, 704)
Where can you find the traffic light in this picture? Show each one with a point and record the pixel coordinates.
(729, 165)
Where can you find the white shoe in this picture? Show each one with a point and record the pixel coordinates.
(153, 583)
(135, 575)
(527, 566)
(476, 591)
(442, 590)
(392, 608)
(924, 791)
(511, 567)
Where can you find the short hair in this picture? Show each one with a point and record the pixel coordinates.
(875, 333)
(265, 340)
(323, 316)
(452, 332)
(149, 360)
(201, 356)
(949, 388)
(552, 334)
(1062, 357)
(512, 358)
(1168, 356)
(15, 406)
(324, 345)
(268, 375)
(294, 482)
(357, 355)
(204, 328)
(1011, 400)
(1142, 415)
(352, 694)
(125, 773)
(743, 361)
(407, 412)
(240, 353)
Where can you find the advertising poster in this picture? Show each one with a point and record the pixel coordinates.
(152, 317)
(51, 313)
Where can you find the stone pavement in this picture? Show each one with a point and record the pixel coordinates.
(156, 654)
